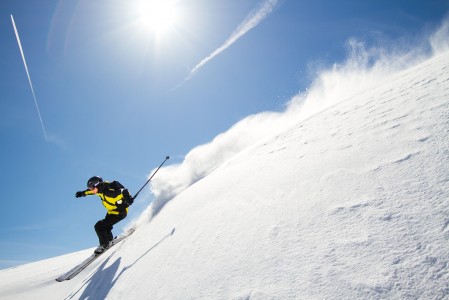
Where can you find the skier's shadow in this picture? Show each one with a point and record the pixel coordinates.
(98, 285)
(102, 281)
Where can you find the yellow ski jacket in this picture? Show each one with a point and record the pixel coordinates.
(111, 195)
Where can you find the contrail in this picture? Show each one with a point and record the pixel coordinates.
(28, 74)
(251, 21)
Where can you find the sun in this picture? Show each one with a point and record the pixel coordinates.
(158, 16)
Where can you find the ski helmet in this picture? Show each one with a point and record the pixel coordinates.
(94, 182)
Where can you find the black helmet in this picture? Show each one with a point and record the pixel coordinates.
(93, 182)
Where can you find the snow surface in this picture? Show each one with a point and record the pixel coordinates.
(350, 203)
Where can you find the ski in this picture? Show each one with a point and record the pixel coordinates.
(77, 269)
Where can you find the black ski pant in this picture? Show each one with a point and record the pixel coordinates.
(103, 228)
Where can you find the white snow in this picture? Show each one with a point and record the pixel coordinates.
(349, 203)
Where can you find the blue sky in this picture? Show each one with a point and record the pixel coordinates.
(116, 97)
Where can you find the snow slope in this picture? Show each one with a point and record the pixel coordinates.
(351, 203)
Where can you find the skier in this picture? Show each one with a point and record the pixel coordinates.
(116, 199)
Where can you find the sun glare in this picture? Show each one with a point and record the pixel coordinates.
(158, 16)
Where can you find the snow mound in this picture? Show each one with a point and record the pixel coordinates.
(350, 203)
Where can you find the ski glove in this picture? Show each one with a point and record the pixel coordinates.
(129, 201)
(80, 194)
(127, 197)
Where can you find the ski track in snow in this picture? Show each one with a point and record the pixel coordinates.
(351, 203)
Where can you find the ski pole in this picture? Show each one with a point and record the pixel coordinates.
(166, 158)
